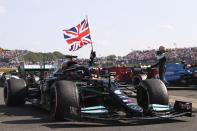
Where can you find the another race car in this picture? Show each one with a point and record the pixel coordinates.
(72, 92)
(123, 74)
(179, 74)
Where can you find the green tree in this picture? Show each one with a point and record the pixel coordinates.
(41, 57)
(111, 57)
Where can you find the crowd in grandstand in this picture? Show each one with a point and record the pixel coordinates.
(173, 55)
(8, 54)
(137, 56)
(9, 58)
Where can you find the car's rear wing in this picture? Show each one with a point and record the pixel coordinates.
(38, 67)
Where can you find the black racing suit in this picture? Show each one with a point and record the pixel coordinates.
(162, 67)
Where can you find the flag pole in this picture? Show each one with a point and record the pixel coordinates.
(89, 31)
(93, 53)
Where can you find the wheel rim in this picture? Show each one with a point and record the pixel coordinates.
(136, 82)
(53, 103)
(6, 93)
(143, 98)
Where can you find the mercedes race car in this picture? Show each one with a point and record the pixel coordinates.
(72, 92)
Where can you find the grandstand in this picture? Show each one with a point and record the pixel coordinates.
(12, 58)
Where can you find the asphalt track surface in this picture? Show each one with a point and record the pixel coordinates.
(33, 118)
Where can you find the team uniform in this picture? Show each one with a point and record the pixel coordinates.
(162, 62)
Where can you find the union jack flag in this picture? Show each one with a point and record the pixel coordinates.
(78, 36)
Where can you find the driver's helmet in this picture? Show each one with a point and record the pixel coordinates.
(162, 49)
(66, 64)
(188, 66)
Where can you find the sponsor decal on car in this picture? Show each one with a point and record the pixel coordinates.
(118, 92)
(169, 73)
(130, 104)
(122, 96)
(127, 100)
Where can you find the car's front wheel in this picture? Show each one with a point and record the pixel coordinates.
(64, 100)
(152, 91)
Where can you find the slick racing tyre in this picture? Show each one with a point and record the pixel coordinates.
(152, 91)
(15, 92)
(64, 101)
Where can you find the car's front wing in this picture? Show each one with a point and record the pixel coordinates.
(179, 109)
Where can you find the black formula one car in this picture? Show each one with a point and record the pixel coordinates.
(75, 94)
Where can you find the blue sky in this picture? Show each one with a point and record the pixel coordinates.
(116, 26)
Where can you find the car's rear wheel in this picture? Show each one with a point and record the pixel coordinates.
(152, 91)
(138, 78)
(15, 92)
(65, 101)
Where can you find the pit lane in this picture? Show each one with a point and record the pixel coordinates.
(33, 118)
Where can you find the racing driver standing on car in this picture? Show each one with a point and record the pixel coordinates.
(162, 62)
